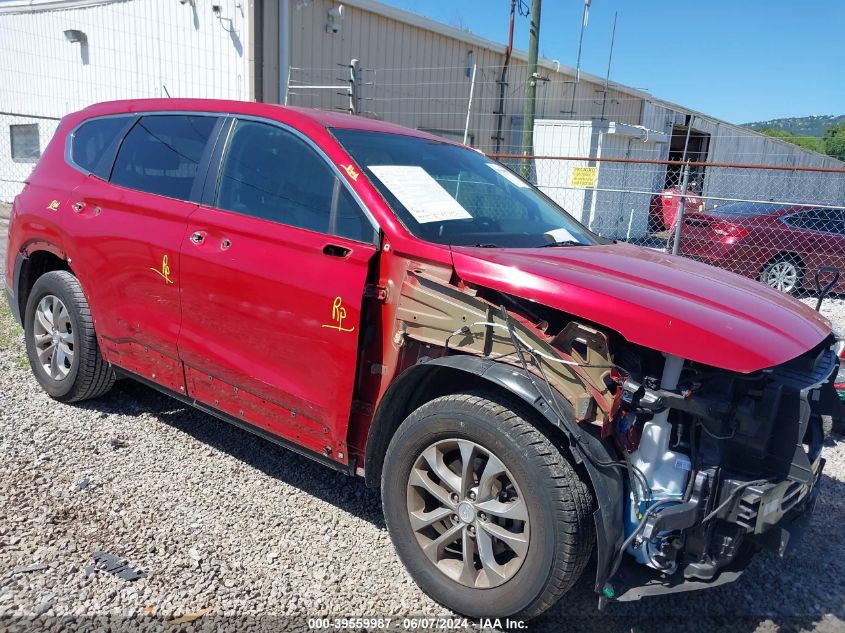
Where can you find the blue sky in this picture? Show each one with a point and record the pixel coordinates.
(739, 60)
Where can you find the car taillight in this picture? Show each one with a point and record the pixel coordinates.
(730, 231)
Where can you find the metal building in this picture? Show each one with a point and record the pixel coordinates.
(57, 56)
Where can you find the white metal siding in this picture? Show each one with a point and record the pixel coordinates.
(136, 49)
(733, 144)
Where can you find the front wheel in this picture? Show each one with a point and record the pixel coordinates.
(60, 340)
(486, 514)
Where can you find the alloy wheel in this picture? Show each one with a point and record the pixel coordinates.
(783, 276)
(54, 339)
(467, 513)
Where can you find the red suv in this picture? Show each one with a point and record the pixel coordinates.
(400, 307)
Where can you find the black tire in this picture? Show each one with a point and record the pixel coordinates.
(89, 375)
(559, 503)
(766, 275)
(833, 425)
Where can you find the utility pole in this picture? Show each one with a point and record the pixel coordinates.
(502, 81)
(609, 59)
(531, 90)
(584, 20)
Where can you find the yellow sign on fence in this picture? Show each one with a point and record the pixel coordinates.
(584, 176)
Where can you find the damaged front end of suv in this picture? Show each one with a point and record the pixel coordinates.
(693, 466)
(720, 463)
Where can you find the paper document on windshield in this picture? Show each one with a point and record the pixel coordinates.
(559, 236)
(508, 175)
(421, 194)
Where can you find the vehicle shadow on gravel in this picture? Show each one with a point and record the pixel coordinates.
(800, 592)
(129, 397)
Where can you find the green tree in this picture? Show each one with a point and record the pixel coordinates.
(807, 142)
(834, 141)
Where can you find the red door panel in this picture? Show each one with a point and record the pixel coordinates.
(261, 412)
(823, 248)
(126, 253)
(271, 322)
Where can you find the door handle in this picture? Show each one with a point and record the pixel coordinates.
(333, 250)
(197, 237)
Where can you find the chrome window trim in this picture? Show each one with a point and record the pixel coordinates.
(334, 168)
(72, 134)
(235, 116)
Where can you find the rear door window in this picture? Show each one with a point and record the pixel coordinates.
(162, 153)
(822, 220)
(272, 174)
(95, 142)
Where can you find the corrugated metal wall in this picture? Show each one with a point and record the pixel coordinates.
(135, 49)
(419, 78)
(411, 74)
(733, 144)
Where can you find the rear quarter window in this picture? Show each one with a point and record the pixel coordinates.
(162, 153)
(821, 220)
(95, 142)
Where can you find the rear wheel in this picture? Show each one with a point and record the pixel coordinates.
(783, 273)
(487, 515)
(60, 340)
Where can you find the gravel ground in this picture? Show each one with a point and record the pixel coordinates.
(265, 539)
(832, 307)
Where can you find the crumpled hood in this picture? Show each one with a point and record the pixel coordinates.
(661, 301)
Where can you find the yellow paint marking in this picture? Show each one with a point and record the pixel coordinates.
(353, 173)
(53, 206)
(338, 315)
(165, 270)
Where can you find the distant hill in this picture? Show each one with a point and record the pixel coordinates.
(800, 126)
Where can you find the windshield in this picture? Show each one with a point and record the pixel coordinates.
(448, 194)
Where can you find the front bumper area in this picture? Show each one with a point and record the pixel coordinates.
(769, 516)
(751, 490)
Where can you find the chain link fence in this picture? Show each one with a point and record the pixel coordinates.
(775, 224)
(480, 103)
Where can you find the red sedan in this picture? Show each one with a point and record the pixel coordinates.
(781, 245)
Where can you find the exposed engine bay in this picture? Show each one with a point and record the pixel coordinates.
(714, 463)
(719, 461)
